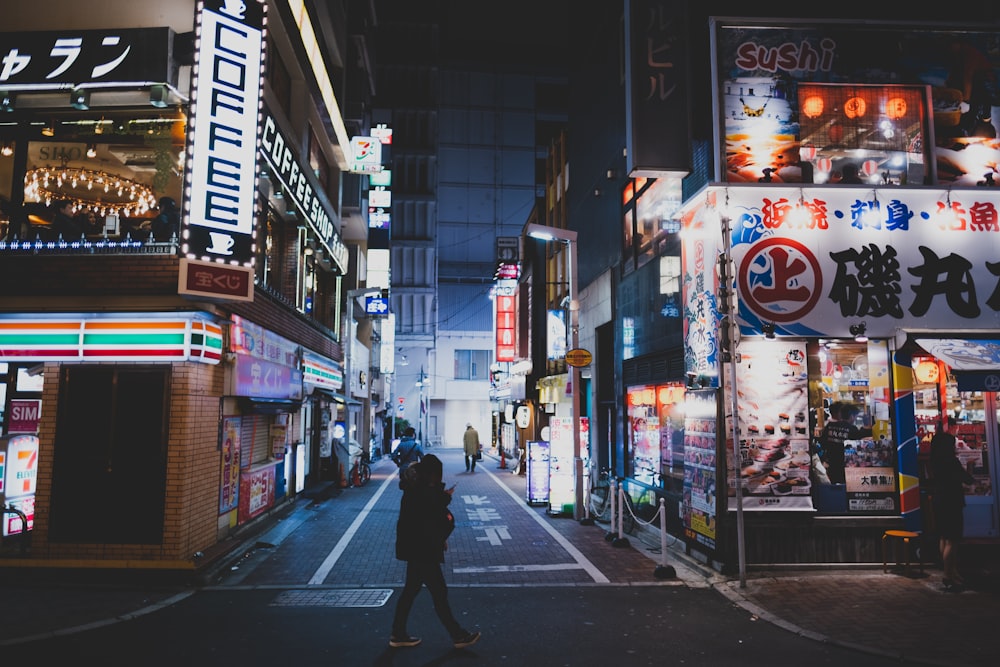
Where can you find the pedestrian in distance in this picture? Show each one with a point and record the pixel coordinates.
(948, 477)
(422, 531)
(471, 443)
(407, 453)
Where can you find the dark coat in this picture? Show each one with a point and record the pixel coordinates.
(948, 497)
(424, 522)
(65, 226)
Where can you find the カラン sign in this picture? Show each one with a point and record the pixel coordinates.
(225, 114)
(39, 60)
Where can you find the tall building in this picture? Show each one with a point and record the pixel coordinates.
(473, 116)
(161, 389)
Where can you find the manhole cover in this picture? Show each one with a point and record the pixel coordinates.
(359, 597)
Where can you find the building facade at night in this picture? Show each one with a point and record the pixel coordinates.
(164, 386)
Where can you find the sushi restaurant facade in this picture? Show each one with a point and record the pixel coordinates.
(802, 298)
(844, 256)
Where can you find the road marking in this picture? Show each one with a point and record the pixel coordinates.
(518, 568)
(582, 560)
(324, 569)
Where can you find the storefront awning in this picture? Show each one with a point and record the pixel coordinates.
(975, 362)
(964, 354)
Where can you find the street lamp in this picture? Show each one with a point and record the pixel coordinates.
(568, 236)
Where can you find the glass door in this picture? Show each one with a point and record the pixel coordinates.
(976, 446)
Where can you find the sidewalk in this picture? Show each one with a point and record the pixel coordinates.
(886, 614)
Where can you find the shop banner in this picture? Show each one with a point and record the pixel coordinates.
(698, 505)
(229, 485)
(658, 118)
(561, 466)
(224, 134)
(774, 458)
(804, 103)
(820, 261)
(51, 60)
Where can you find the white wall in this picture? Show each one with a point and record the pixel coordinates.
(458, 402)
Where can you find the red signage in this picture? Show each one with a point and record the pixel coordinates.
(24, 415)
(506, 324)
(220, 281)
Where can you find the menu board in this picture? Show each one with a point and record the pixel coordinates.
(698, 504)
(537, 472)
(774, 459)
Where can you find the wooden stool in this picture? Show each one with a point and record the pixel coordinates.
(899, 538)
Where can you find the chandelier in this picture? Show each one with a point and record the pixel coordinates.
(89, 190)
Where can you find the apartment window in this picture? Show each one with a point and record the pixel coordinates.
(472, 364)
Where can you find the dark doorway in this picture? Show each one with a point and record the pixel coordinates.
(109, 469)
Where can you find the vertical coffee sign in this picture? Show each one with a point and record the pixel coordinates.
(224, 134)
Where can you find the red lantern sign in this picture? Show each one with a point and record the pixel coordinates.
(855, 107)
(812, 106)
(895, 108)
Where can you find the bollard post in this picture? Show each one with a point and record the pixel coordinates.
(587, 520)
(612, 492)
(621, 540)
(663, 571)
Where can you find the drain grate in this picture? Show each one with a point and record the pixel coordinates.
(355, 597)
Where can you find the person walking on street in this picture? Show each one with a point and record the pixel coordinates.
(422, 532)
(948, 501)
(407, 452)
(471, 443)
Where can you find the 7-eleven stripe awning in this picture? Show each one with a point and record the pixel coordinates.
(150, 337)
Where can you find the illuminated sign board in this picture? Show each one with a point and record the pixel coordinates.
(506, 327)
(366, 155)
(381, 179)
(382, 133)
(225, 114)
(380, 198)
(50, 60)
(301, 187)
(217, 281)
(321, 371)
(163, 337)
(379, 218)
(377, 305)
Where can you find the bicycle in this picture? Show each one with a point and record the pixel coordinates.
(361, 471)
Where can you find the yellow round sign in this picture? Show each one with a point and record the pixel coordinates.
(578, 357)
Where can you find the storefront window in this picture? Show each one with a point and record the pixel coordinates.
(853, 454)
(656, 434)
(7, 149)
(112, 169)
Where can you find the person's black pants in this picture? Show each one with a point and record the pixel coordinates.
(419, 574)
(470, 462)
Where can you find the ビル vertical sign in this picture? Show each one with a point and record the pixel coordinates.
(225, 129)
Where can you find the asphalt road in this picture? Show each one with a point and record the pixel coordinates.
(320, 587)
